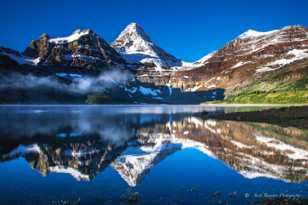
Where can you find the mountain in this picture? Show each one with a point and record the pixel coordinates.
(60, 70)
(74, 69)
(83, 48)
(253, 61)
(137, 47)
(83, 51)
(270, 63)
(255, 67)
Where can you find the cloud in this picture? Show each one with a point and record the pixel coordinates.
(81, 85)
(106, 80)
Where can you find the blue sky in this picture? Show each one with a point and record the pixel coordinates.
(188, 29)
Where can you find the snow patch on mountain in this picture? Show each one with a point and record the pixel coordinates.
(292, 56)
(296, 55)
(196, 64)
(73, 37)
(252, 41)
(239, 64)
(252, 33)
(149, 91)
(21, 59)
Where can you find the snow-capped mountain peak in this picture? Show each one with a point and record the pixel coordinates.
(135, 28)
(250, 33)
(137, 47)
(74, 36)
(133, 39)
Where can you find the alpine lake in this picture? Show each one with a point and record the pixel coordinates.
(147, 154)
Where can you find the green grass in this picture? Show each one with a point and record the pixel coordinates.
(274, 97)
(271, 90)
(301, 84)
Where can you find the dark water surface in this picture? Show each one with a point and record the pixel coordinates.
(168, 154)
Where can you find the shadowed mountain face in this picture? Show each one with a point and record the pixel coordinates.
(84, 142)
(83, 49)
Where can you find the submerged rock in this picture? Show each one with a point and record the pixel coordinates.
(65, 202)
(216, 194)
(193, 189)
(232, 194)
(130, 198)
(283, 201)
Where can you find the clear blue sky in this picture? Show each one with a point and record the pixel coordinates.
(188, 29)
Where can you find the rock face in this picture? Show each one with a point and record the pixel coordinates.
(82, 49)
(136, 47)
(253, 58)
(252, 55)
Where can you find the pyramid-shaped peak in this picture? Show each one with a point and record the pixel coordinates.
(133, 25)
(134, 29)
(136, 46)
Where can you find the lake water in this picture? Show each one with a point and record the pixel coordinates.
(161, 154)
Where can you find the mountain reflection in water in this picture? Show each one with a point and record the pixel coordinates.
(83, 142)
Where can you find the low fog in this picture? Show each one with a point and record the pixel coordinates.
(81, 85)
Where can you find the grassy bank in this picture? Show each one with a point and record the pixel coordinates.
(278, 97)
(283, 87)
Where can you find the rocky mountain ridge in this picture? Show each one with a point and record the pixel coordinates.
(83, 48)
(252, 55)
(254, 62)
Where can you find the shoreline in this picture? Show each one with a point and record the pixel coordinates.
(252, 105)
(296, 116)
(164, 104)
